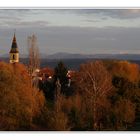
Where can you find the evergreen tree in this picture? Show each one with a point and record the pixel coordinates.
(61, 74)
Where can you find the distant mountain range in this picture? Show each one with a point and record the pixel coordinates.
(63, 55)
(95, 56)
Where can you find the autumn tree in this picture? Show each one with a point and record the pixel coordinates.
(125, 78)
(126, 99)
(19, 102)
(54, 117)
(94, 83)
(124, 69)
(104, 99)
(124, 111)
(59, 119)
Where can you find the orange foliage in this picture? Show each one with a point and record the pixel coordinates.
(124, 111)
(94, 83)
(126, 69)
(19, 102)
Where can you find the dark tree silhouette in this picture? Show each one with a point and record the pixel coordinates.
(61, 75)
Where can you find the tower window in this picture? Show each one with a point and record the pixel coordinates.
(13, 56)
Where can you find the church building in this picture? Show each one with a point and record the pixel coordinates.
(14, 53)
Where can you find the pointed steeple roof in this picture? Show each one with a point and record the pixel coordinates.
(14, 38)
(14, 47)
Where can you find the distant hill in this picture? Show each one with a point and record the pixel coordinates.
(95, 56)
(7, 56)
(70, 63)
(63, 55)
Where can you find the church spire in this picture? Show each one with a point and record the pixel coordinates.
(14, 38)
(14, 53)
(14, 47)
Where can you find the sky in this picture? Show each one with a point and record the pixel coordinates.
(84, 31)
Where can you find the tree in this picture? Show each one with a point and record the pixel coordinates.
(34, 61)
(94, 83)
(59, 119)
(124, 111)
(125, 100)
(125, 69)
(19, 102)
(54, 117)
(61, 74)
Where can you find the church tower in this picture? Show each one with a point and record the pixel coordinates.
(14, 53)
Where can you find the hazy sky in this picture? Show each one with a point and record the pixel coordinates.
(86, 31)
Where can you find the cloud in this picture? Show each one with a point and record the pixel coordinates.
(23, 24)
(71, 39)
(91, 20)
(104, 14)
(81, 17)
(29, 24)
(88, 40)
(123, 13)
(75, 39)
(113, 13)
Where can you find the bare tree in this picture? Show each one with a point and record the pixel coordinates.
(34, 62)
(94, 83)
